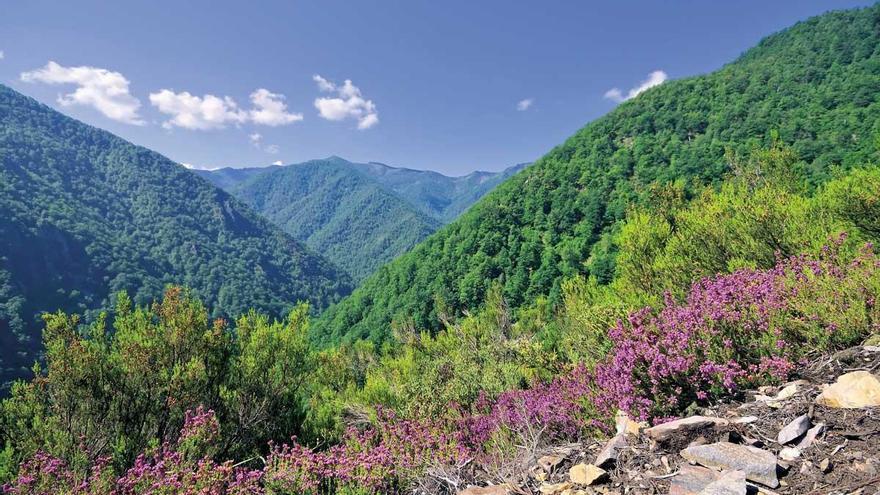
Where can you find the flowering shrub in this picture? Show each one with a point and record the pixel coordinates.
(377, 460)
(178, 469)
(734, 330)
(731, 331)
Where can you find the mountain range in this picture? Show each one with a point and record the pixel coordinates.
(358, 215)
(814, 87)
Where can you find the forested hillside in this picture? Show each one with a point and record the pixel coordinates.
(814, 86)
(706, 251)
(359, 215)
(84, 214)
(338, 212)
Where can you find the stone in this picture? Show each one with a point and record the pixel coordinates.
(586, 474)
(786, 393)
(729, 483)
(553, 488)
(758, 465)
(811, 436)
(691, 480)
(666, 431)
(789, 454)
(627, 426)
(486, 490)
(549, 462)
(794, 430)
(744, 420)
(608, 454)
(825, 465)
(851, 391)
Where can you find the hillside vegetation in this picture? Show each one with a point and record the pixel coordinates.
(705, 240)
(358, 215)
(86, 214)
(815, 86)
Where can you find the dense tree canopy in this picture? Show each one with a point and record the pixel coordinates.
(814, 86)
(359, 215)
(84, 214)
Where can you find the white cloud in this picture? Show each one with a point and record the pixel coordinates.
(277, 162)
(213, 112)
(270, 109)
(654, 79)
(348, 104)
(104, 90)
(524, 105)
(198, 167)
(256, 140)
(2, 55)
(194, 112)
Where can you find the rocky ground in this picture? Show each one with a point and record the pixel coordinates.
(817, 435)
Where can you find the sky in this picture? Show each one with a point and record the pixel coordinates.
(452, 86)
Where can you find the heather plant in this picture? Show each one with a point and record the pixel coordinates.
(748, 327)
(124, 383)
(183, 467)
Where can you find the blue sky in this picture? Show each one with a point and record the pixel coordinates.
(442, 85)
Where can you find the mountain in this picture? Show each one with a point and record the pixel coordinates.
(437, 195)
(814, 86)
(358, 215)
(84, 214)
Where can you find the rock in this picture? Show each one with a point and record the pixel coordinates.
(666, 431)
(627, 426)
(608, 454)
(486, 490)
(729, 483)
(852, 390)
(866, 468)
(786, 393)
(789, 454)
(586, 474)
(691, 480)
(553, 488)
(758, 465)
(744, 420)
(811, 436)
(794, 430)
(549, 462)
(825, 465)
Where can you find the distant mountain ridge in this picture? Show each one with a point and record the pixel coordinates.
(84, 213)
(358, 215)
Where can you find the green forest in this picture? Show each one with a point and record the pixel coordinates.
(813, 87)
(357, 215)
(706, 238)
(86, 215)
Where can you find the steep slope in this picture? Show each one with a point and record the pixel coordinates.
(815, 85)
(359, 215)
(84, 214)
(338, 212)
